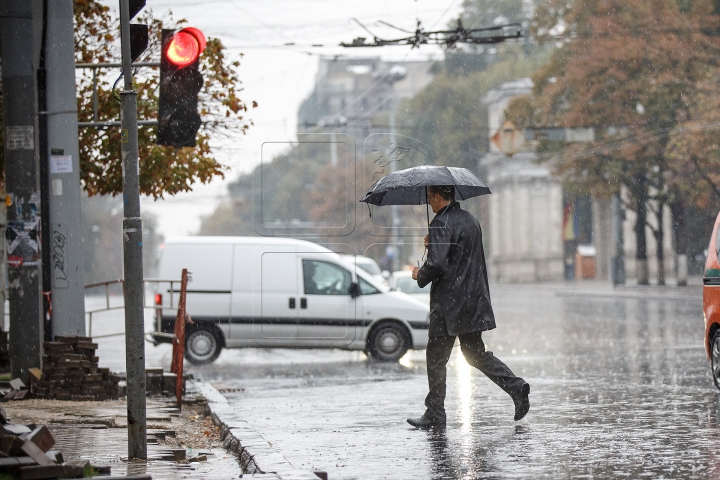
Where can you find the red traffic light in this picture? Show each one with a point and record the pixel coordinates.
(185, 47)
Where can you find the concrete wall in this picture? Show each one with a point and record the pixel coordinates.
(602, 237)
(525, 220)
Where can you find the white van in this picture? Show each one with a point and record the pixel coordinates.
(280, 292)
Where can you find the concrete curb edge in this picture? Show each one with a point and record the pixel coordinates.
(254, 453)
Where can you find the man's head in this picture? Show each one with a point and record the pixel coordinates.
(440, 196)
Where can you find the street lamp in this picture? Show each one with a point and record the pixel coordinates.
(395, 74)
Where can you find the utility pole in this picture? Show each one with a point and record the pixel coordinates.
(63, 272)
(132, 252)
(22, 190)
(395, 74)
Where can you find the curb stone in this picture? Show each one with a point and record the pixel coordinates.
(257, 458)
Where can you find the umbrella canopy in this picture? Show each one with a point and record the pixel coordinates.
(409, 186)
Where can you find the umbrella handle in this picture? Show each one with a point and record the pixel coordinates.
(427, 210)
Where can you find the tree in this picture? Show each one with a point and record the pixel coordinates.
(626, 69)
(163, 170)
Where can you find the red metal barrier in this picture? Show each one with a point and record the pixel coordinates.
(179, 341)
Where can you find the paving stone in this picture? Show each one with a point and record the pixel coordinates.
(56, 456)
(21, 394)
(35, 374)
(153, 383)
(11, 445)
(14, 429)
(36, 453)
(42, 437)
(39, 472)
(17, 384)
(12, 463)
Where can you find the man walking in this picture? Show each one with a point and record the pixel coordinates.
(459, 306)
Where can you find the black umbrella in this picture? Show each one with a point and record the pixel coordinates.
(409, 186)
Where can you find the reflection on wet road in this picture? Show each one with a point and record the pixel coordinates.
(620, 387)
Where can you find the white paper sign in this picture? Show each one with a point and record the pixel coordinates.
(57, 187)
(61, 164)
(20, 137)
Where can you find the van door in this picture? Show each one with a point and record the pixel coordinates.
(279, 307)
(244, 290)
(327, 313)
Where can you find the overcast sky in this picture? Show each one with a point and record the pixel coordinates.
(280, 77)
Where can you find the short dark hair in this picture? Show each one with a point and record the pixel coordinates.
(447, 192)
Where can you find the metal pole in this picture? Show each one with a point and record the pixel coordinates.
(23, 194)
(393, 167)
(43, 150)
(132, 250)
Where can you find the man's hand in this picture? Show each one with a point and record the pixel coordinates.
(415, 273)
(427, 237)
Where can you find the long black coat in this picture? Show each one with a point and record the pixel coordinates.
(459, 296)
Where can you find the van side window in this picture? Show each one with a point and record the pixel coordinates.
(366, 288)
(325, 278)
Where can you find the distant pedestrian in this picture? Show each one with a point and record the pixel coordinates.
(459, 306)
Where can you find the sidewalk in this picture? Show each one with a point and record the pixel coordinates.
(603, 288)
(180, 445)
(256, 455)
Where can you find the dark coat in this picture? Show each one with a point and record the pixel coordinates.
(459, 296)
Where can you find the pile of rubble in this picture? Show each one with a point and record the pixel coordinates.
(25, 453)
(70, 372)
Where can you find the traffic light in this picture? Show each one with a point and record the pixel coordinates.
(138, 31)
(180, 83)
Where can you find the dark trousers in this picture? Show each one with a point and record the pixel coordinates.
(473, 349)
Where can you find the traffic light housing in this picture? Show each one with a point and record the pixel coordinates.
(138, 31)
(180, 84)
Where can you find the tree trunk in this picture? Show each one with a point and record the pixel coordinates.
(641, 266)
(660, 240)
(677, 210)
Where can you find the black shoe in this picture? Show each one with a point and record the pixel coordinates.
(425, 422)
(522, 402)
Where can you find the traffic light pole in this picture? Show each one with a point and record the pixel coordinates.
(132, 251)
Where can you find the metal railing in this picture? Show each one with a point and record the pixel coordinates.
(146, 283)
(96, 122)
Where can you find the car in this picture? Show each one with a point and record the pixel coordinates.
(367, 264)
(711, 304)
(402, 281)
(281, 293)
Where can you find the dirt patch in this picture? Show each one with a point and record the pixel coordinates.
(196, 430)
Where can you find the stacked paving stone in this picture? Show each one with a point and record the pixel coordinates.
(70, 372)
(25, 453)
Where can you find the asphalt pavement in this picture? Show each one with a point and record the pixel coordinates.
(620, 388)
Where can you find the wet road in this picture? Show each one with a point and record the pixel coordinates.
(620, 387)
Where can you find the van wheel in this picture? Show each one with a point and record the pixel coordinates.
(202, 345)
(715, 357)
(388, 342)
